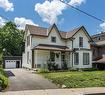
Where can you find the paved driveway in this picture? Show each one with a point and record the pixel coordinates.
(21, 79)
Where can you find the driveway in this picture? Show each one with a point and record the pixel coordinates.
(22, 79)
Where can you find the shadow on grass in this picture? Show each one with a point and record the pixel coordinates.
(96, 94)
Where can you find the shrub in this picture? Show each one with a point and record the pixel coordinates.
(64, 66)
(3, 79)
(89, 69)
(52, 65)
(43, 71)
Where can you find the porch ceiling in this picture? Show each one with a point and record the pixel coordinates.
(51, 47)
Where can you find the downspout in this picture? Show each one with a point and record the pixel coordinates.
(72, 52)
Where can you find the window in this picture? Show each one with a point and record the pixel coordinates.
(53, 39)
(28, 40)
(76, 58)
(98, 38)
(86, 59)
(38, 65)
(27, 57)
(93, 51)
(80, 41)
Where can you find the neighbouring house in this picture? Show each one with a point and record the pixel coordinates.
(99, 50)
(44, 46)
(11, 62)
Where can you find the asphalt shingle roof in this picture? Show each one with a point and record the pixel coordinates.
(40, 31)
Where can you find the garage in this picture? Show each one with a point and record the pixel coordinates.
(12, 62)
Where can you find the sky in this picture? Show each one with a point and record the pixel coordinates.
(46, 12)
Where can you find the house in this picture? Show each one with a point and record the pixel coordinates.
(44, 45)
(99, 50)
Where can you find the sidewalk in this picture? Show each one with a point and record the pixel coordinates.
(77, 91)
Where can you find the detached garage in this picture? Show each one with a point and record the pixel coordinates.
(11, 62)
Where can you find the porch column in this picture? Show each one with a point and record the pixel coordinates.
(36, 58)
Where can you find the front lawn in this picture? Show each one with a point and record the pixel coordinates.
(77, 79)
(3, 79)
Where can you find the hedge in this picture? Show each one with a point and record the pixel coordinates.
(3, 79)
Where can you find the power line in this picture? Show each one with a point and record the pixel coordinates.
(92, 16)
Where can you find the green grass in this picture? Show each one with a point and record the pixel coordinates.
(3, 79)
(77, 79)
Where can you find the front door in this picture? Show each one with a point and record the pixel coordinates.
(63, 61)
(52, 56)
(62, 57)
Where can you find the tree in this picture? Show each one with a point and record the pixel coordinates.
(11, 39)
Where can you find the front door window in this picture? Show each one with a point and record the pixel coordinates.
(64, 63)
(52, 56)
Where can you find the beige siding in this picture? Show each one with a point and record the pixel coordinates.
(85, 40)
(47, 40)
(27, 49)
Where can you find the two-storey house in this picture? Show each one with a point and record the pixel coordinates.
(99, 50)
(50, 44)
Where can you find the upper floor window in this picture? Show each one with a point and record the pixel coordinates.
(53, 39)
(28, 40)
(80, 41)
(27, 57)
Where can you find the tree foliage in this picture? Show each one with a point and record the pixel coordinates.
(11, 39)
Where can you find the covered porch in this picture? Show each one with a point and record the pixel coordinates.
(43, 56)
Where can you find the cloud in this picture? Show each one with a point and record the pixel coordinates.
(2, 22)
(76, 2)
(21, 22)
(102, 25)
(6, 5)
(50, 10)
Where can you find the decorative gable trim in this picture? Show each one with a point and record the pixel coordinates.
(86, 33)
(56, 28)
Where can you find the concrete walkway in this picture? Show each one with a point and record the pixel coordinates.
(78, 91)
(22, 79)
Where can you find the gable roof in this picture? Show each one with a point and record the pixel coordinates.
(36, 30)
(40, 31)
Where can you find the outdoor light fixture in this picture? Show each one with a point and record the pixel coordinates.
(4, 49)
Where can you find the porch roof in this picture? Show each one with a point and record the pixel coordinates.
(51, 47)
(101, 60)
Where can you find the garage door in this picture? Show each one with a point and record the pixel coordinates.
(9, 64)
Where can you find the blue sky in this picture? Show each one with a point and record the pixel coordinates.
(44, 13)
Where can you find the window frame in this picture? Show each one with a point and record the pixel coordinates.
(28, 40)
(76, 58)
(87, 61)
(80, 41)
(28, 57)
(53, 39)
